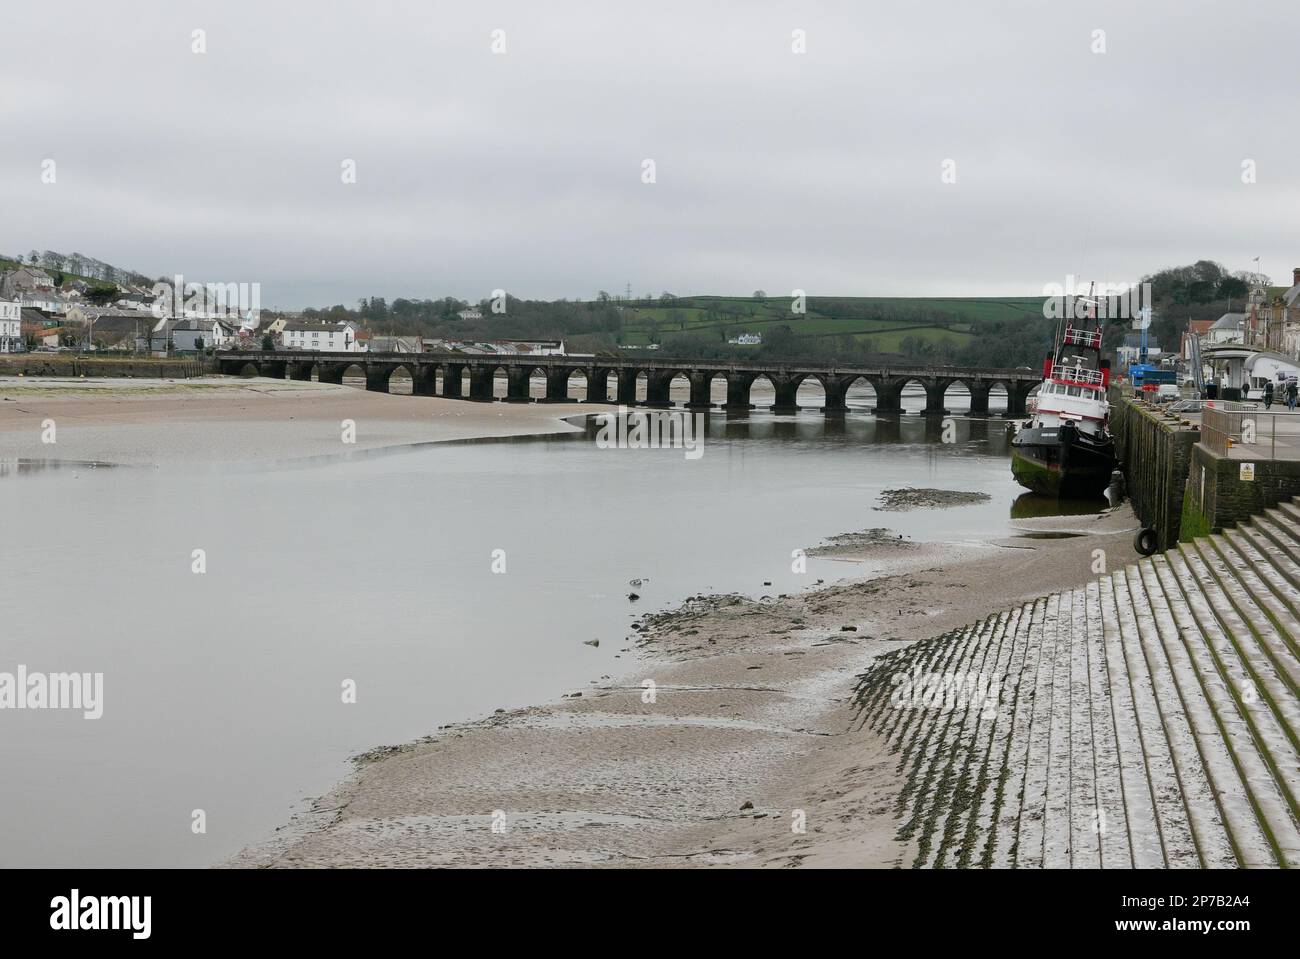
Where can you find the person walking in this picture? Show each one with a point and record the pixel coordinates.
(1291, 391)
(1268, 394)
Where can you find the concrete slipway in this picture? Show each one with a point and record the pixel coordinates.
(1147, 719)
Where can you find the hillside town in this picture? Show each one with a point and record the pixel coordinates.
(1235, 356)
(45, 308)
(40, 314)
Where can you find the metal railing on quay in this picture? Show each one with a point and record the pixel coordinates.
(1250, 429)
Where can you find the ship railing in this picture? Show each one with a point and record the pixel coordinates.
(1248, 434)
(1089, 338)
(1076, 375)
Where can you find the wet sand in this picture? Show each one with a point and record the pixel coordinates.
(749, 734)
(158, 422)
(729, 741)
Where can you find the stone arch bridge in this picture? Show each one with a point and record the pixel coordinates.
(428, 371)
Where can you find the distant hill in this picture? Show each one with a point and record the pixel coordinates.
(884, 321)
(970, 330)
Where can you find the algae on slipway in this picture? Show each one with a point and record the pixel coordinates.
(1149, 718)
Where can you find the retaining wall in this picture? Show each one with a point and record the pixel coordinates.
(62, 364)
(1154, 450)
(1221, 494)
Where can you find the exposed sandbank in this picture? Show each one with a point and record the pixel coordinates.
(208, 420)
(748, 734)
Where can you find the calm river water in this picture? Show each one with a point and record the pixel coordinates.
(222, 691)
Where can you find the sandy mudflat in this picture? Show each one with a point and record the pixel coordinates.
(749, 729)
(208, 420)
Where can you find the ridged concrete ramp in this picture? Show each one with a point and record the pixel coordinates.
(1147, 719)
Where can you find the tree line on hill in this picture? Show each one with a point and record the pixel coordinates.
(1205, 290)
(699, 327)
(60, 265)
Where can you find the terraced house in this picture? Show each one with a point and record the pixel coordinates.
(11, 332)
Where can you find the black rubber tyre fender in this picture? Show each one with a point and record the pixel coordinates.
(1146, 542)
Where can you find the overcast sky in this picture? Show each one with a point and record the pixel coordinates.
(774, 170)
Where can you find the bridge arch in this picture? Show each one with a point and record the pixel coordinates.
(986, 395)
(557, 384)
(862, 391)
(785, 389)
(398, 378)
(814, 393)
(522, 384)
(658, 387)
(679, 388)
(351, 370)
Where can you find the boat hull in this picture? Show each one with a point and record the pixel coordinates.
(1065, 464)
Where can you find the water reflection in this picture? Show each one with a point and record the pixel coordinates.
(13, 466)
(1030, 505)
(953, 434)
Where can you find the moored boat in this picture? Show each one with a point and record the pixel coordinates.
(1066, 450)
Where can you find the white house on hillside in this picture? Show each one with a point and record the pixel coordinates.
(328, 337)
(1228, 328)
(11, 327)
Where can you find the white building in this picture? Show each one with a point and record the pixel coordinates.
(746, 339)
(327, 337)
(11, 327)
(1267, 366)
(49, 302)
(1242, 371)
(1226, 329)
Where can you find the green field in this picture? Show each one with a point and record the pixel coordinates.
(884, 321)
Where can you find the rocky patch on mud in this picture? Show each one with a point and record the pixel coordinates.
(867, 542)
(899, 500)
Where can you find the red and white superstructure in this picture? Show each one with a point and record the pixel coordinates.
(1074, 384)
